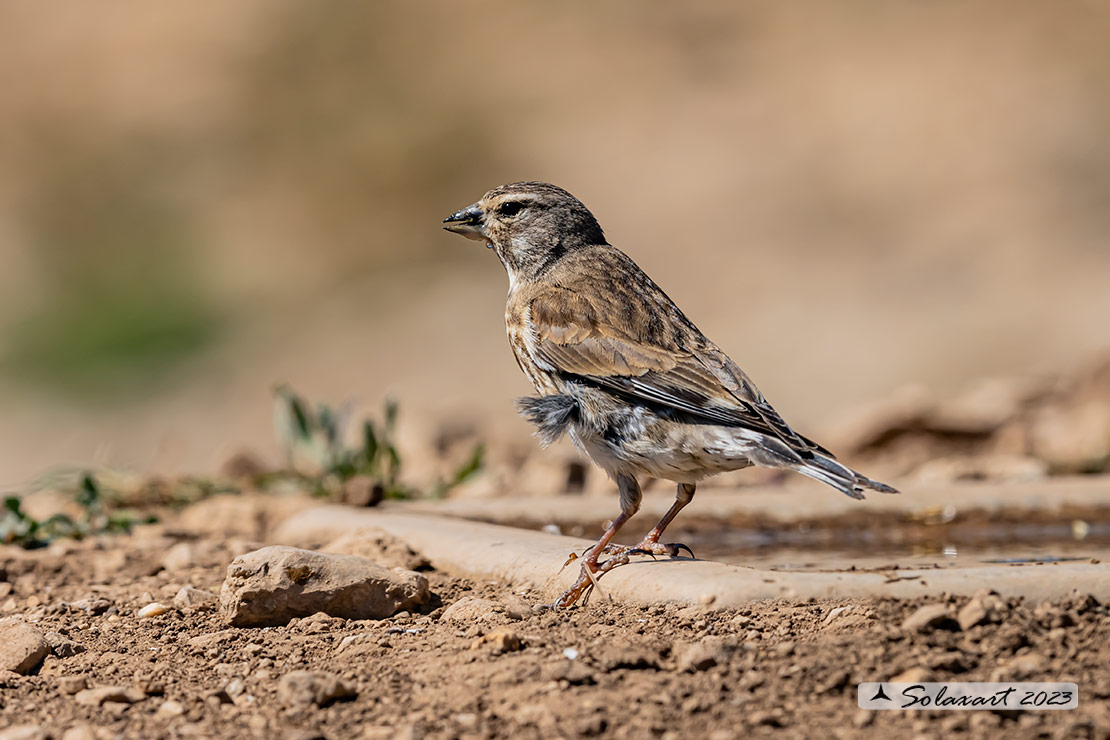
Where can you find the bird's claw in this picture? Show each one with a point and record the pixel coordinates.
(671, 549)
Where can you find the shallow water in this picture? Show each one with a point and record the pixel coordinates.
(904, 546)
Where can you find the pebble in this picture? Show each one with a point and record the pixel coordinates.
(153, 609)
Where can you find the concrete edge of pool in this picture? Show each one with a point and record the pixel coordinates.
(522, 557)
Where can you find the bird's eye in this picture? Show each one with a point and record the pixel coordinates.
(511, 208)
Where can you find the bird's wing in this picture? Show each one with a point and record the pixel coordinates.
(575, 336)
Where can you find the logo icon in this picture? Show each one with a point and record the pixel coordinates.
(880, 694)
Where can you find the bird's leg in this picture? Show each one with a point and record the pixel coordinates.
(650, 544)
(591, 569)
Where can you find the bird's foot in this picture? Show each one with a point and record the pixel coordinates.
(653, 548)
(610, 549)
(591, 572)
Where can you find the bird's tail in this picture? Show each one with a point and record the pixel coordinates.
(841, 477)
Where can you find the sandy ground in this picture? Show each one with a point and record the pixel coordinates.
(508, 669)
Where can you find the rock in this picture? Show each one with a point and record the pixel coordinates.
(22, 646)
(303, 688)
(70, 685)
(928, 618)
(179, 557)
(194, 598)
(701, 656)
(23, 732)
(471, 610)
(61, 646)
(379, 546)
(109, 694)
(502, 640)
(151, 610)
(275, 584)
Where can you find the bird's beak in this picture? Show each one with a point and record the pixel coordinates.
(468, 222)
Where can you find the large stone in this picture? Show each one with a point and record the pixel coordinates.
(22, 646)
(268, 587)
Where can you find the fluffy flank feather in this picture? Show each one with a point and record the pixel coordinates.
(550, 414)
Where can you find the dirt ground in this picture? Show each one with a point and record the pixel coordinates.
(509, 669)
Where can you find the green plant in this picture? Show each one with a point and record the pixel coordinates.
(20, 528)
(315, 448)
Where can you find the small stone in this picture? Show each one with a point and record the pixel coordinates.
(62, 647)
(113, 618)
(303, 688)
(23, 732)
(275, 584)
(109, 695)
(194, 598)
(70, 685)
(927, 618)
(501, 640)
(22, 646)
(151, 610)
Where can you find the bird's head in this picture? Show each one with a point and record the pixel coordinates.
(529, 224)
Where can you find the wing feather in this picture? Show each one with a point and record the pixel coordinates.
(574, 338)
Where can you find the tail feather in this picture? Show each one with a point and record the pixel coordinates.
(841, 477)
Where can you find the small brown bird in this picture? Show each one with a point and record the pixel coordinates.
(621, 369)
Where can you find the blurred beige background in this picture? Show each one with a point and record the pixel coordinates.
(198, 200)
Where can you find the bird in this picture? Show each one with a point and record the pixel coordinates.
(621, 370)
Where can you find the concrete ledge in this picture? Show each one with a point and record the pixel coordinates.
(527, 558)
